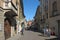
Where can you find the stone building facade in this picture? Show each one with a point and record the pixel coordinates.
(1, 21)
(9, 12)
(21, 17)
(52, 14)
(37, 18)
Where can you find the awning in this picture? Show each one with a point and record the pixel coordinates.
(10, 14)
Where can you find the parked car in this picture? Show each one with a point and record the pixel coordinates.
(52, 33)
(28, 28)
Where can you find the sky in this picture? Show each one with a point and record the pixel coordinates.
(30, 7)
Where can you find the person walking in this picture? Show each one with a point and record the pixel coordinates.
(22, 30)
(48, 32)
(44, 31)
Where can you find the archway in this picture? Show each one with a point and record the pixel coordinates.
(9, 23)
(7, 28)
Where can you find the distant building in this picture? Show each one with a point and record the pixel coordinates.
(37, 18)
(29, 23)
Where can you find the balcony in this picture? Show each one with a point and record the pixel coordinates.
(55, 14)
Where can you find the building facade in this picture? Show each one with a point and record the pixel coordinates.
(52, 14)
(42, 11)
(10, 10)
(29, 23)
(37, 18)
(1, 21)
(21, 16)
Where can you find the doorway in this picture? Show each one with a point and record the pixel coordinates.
(7, 29)
(58, 28)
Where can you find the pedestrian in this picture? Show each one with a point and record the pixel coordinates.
(48, 32)
(44, 31)
(22, 30)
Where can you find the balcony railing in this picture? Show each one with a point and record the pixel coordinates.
(55, 14)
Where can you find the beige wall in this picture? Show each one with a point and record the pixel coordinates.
(1, 21)
(14, 2)
(2, 12)
(1, 24)
(19, 11)
(1, 3)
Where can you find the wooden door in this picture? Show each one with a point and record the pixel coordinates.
(7, 29)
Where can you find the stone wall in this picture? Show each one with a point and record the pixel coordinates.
(53, 22)
(1, 24)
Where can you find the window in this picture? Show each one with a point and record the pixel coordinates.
(47, 15)
(6, 2)
(46, 7)
(46, 1)
(54, 8)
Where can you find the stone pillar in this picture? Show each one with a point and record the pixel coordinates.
(1, 25)
(19, 29)
(12, 31)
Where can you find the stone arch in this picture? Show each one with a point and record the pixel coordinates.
(7, 27)
(9, 22)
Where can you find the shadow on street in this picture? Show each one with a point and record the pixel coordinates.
(43, 35)
(52, 39)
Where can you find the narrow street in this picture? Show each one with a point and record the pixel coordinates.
(30, 35)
